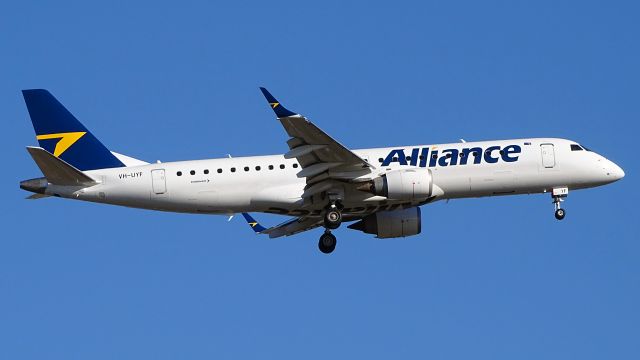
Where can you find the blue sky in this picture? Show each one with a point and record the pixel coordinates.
(495, 278)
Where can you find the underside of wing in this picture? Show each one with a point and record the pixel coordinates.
(287, 228)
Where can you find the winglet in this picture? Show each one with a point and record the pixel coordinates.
(277, 107)
(253, 223)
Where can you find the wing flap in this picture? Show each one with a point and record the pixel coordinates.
(316, 169)
(302, 150)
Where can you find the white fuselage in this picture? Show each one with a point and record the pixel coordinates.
(270, 183)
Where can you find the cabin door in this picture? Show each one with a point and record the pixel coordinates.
(548, 156)
(158, 181)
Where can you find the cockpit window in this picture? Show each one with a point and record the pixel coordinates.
(576, 147)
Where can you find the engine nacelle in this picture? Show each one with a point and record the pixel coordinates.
(391, 224)
(406, 184)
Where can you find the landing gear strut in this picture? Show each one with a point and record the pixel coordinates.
(332, 220)
(333, 216)
(558, 196)
(327, 242)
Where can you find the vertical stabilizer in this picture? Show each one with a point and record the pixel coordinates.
(61, 134)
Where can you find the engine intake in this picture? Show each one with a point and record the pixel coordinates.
(391, 224)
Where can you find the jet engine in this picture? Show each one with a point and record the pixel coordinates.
(406, 184)
(391, 224)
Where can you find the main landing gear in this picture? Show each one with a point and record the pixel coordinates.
(558, 196)
(327, 242)
(332, 220)
(332, 217)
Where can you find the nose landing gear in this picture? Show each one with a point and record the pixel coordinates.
(558, 196)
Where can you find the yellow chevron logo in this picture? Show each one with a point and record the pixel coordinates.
(273, 105)
(253, 224)
(65, 142)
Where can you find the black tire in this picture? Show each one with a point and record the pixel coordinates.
(560, 214)
(327, 243)
(332, 218)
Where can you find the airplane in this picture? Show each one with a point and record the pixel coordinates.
(318, 183)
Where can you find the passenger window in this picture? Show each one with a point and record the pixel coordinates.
(295, 166)
(192, 172)
(270, 167)
(246, 168)
(281, 166)
(575, 147)
(219, 171)
(380, 160)
(206, 171)
(257, 168)
(233, 169)
(179, 173)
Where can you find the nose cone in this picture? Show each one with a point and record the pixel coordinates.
(616, 171)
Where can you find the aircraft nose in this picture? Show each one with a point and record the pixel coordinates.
(616, 171)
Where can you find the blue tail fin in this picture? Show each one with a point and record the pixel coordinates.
(61, 134)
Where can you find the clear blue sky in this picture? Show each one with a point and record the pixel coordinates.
(495, 278)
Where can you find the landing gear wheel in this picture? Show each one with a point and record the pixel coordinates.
(327, 243)
(558, 195)
(332, 218)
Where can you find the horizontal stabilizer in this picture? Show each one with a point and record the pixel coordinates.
(57, 171)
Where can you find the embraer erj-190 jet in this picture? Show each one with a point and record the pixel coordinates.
(319, 182)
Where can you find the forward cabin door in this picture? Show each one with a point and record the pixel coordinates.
(158, 181)
(548, 156)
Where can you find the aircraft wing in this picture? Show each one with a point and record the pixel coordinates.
(287, 228)
(321, 157)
